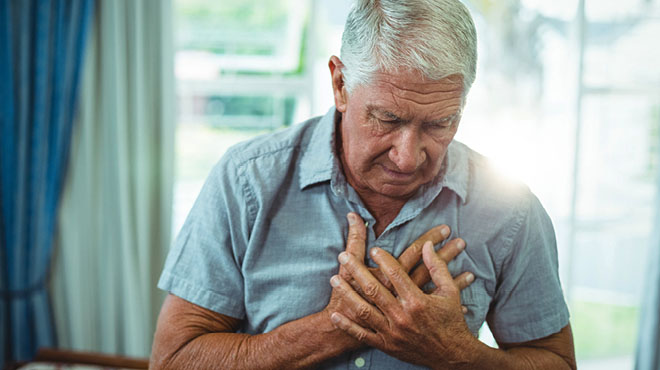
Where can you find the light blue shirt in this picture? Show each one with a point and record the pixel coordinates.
(261, 242)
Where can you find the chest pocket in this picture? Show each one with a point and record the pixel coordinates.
(477, 300)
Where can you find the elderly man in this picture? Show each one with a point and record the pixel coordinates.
(260, 276)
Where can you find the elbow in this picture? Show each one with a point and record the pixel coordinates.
(570, 361)
(161, 358)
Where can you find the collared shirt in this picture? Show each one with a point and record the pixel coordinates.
(261, 242)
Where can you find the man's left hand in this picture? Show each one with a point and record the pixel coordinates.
(416, 327)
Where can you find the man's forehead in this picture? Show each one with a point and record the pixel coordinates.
(400, 96)
(389, 111)
(409, 93)
(416, 82)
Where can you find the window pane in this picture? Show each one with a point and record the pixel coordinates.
(614, 221)
(619, 54)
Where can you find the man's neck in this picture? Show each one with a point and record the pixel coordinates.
(384, 210)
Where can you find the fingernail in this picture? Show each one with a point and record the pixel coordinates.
(343, 258)
(469, 278)
(335, 317)
(460, 244)
(465, 310)
(351, 219)
(444, 231)
(373, 251)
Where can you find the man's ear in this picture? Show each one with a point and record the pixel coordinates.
(338, 88)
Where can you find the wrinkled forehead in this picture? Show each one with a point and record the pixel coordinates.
(409, 88)
(415, 81)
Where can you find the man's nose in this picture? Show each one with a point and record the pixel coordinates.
(407, 151)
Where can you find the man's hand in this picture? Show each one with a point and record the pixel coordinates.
(425, 329)
(355, 246)
(356, 242)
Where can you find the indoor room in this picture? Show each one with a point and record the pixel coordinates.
(119, 119)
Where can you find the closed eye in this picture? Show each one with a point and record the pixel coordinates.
(443, 122)
(391, 121)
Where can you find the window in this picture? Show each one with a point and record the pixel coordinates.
(242, 69)
(529, 99)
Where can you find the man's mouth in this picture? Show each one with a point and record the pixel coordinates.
(398, 174)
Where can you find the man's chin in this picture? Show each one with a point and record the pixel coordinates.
(399, 191)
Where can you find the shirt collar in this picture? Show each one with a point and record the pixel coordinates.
(455, 174)
(319, 162)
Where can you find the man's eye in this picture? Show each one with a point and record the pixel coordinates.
(441, 125)
(390, 121)
(444, 123)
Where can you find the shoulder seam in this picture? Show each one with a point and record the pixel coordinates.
(242, 162)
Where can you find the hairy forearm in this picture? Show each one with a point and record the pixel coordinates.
(298, 344)
(519, 358)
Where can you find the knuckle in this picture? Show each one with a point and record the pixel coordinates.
(356, 233)
(400, 319)
(355, 237)
(414, 306)
(416, 247)
(361, 335)
(363, 313)
(371, 290)
(394, 273)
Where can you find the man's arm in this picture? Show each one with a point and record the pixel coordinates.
(189, 336)
(192, 337)
(429, 329)
(555, 351)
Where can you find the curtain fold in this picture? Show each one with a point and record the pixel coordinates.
(41, 52)
(648, 340)
(114, 224)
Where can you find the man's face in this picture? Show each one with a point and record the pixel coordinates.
(395, 132)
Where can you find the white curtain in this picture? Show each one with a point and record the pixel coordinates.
(648, 339)
(114, 222)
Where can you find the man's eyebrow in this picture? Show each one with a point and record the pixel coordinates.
(388, 114)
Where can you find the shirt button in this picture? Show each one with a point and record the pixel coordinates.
(359, 362)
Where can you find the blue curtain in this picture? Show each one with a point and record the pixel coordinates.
(41, 52)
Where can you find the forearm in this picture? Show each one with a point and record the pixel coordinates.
(518, 358)
(298, 344)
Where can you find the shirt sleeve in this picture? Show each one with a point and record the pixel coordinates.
(529, 302)
(204, 263)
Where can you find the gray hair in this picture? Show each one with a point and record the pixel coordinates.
(434, 37)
